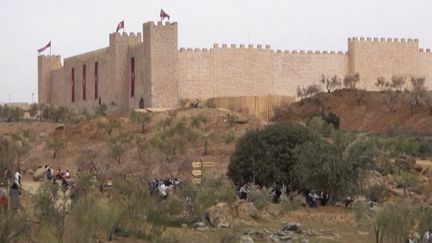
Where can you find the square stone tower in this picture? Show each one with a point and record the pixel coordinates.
(45, 65)
(160, 64)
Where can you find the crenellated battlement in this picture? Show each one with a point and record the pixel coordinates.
(427, 50)
(226, 46)
(260, 47)
(386, 40)
(126, 37)
(160, 24)
(49, 56)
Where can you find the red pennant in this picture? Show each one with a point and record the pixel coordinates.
(163, 15)
(44, 48)
(120, 25)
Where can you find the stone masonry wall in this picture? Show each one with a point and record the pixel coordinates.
(372, 58)
(252, 71)
(164, 74)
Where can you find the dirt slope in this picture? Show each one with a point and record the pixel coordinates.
(371, 115)
(86, 135)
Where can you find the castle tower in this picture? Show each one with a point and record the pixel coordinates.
(161, 52)
(46, 64)
(118, 69)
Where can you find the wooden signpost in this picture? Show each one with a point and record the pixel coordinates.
(198, 170)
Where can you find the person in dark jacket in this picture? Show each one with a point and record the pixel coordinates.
(14, 195)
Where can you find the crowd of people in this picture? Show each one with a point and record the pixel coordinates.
(62, 175)
(163, 187)
(12, 199)
(312, 198)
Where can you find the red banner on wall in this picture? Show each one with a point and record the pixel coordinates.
(84, 82)
(96, 80)
(73, 84)
(132, 77)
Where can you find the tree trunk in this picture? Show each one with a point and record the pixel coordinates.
(205, 145)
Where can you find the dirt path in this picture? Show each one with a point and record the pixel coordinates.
(426, 163)
(30, 186)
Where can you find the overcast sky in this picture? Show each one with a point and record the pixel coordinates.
(77, 26)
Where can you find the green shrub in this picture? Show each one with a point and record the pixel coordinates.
(266, 156)
(377, 193)
(209, 193)
(260, 199)
(230, 137)
(291, 203)
(332, 118)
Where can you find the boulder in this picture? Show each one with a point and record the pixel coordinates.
(200, 226)
(295, 227)
(39, 174)
(240, 119)
(220, 215)
(246, 239)
(245, 210)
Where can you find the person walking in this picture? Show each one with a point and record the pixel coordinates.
(3, 198)
(14, 195)
(18, 177)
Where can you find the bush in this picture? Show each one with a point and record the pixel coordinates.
(230, 137)
(294, 202)
(55, 144)
(14, 227)
(320, 126)
(11, 114)
(260, 199)
(377, 193)
(140, 118)
(332, 118)
(209, 193)
(266, 156)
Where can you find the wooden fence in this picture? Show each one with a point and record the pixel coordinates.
(260, 106)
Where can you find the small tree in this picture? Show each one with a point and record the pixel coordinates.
(23, 140)
(12, 114)
(118, 147)
(172, 137)
(108, 125)
(327, 82)
(321, 166)
(351, 81)
(394, 221)
(336, 82)
(391, 98)
(55, 144)
(398, 82)
(14, 227)
(140, 118)
(34, 110)
(407, 181)
(428, 101)
(418, 90)
(359, 95)
(51, 208)
(309, 91)
(381, 84)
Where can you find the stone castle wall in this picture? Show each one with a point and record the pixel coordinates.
(165, 74)
(252, 71)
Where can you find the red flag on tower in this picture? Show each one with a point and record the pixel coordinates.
(164, 15)
(44, 48)
(120, 26)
